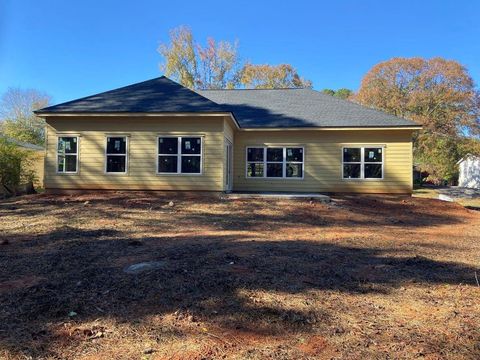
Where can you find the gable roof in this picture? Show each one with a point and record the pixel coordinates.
(252, 108)
(159, 95)
(287, 108)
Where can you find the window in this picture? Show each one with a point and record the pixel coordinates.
(275, 162)
(116, 154)
(179, 155)
(363, 162)
(67, 154)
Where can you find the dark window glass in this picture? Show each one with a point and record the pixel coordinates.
(351, 171)
(255, 154)
(191, 145)
(294, 170)
(373, 171)
(274, 154)
(67, 145)
(71, 163)
(116, 164)
(167, 164)
(295, 154)
(167, 145)
(352, 155)
(116, 145)
(274, 170)
(255, 170)
(191, 164)
(373, 155)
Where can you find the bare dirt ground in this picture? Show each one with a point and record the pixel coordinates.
(369, 277)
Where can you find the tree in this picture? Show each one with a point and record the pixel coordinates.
(342, 93)
(439, 94)
(18, 120)
(272, 76)
(15, 165)
(330, 92)
(214, 66)
(180, 57)
(217, 65)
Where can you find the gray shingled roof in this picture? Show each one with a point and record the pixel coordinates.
(272, 108)
(282, 108)
(159, 95)
(22, 144)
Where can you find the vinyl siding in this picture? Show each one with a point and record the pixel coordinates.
(229, 134)
(142, 152)
(323, 160)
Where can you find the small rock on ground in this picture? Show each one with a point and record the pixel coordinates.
(145, 266)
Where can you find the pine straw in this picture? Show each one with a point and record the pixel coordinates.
(365, 277)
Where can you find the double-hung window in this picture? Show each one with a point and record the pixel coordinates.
(362, 162)
(67, 154)
(179, 155)
(116, 154)
(275, 162)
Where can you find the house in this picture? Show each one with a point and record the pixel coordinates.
(469, 171)
(37, 160)
(159, 135)
(35, 165)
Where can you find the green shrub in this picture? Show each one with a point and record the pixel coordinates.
(15, 165)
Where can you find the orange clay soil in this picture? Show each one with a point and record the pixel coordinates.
(366, 277)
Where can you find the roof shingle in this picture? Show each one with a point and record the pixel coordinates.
(268, 108)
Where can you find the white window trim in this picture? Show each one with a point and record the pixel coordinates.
(362, 162)
(283, 162)
(76, 154)
(179, 155)
(126, 154)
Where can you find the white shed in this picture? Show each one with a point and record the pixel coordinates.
(469, 172)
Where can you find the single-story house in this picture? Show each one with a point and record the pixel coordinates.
(37, 160)
(35, 164)
(159, 135)
(469, 171)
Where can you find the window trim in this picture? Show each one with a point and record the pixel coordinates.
(179, 155)
(284, 162)
(77, 154)
(127, 145)
(362, 162)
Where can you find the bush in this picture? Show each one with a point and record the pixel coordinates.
(15, 166)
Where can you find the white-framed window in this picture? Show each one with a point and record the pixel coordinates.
(282, 162)
(67, 154)
(362, 162)
(116, 159)
(179, 154)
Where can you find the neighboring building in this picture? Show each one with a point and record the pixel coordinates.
(469, 172)
(159, 135)
(38, 158)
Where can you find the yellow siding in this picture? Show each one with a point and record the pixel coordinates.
(229, 134)
(142, 132)
(323, 166)
(229, 129)
(38, 166)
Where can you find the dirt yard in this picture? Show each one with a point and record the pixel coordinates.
(367, 277)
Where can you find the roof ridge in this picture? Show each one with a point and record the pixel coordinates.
(303, 88)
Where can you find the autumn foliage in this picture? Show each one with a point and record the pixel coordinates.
(217, 65)
(436, 93)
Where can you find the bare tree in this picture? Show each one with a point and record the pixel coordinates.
(16, 112)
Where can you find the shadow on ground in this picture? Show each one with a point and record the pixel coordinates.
(82, 271)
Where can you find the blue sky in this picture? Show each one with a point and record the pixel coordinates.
(76, 48)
